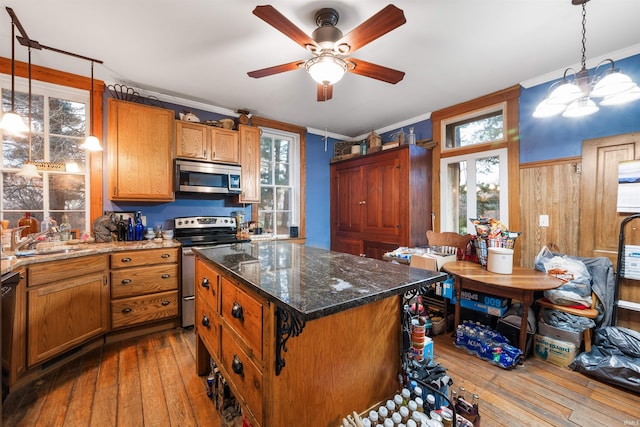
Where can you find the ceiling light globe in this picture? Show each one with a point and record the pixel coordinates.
(622, 98)
(545, 109)
(92, 143)
(326, 69)
(565, 94)
(13, 123)
(612, 83)
(581, 108)
(28, 170)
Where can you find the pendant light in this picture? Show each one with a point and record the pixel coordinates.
(92, 143)
(11, 121)
(29, 169)
(573, 98)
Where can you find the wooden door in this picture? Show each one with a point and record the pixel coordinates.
(224, 146)
(600, 221)
(191, 140)
(382, 202)
(250, 162)
(349, 199)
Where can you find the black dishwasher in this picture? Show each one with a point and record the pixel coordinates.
(9, 283)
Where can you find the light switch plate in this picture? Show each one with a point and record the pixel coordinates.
(544, 220)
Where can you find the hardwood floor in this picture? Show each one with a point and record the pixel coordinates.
(151, 381)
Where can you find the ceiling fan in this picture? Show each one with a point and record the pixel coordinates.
(331, 49)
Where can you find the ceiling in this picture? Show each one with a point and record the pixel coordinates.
(201, 50)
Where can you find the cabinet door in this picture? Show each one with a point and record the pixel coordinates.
(349, 199)
(191, 140)
(348, 246)
(377, 250)
(14, 336)
(224, 145)
(66, 313)
(250, 162)
(381, 209)
(140, 152)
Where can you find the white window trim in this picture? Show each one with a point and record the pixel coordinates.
(501, 106)
(502, 153)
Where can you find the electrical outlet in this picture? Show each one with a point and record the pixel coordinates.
(544, 220)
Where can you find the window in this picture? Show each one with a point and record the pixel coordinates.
(59, 125)
(479, 128)
(474, 186)
(279, 181)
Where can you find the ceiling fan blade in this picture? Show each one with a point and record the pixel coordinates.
(271, 16)
(276, 69)
(325, 92)
(378, 25)
(374, 71)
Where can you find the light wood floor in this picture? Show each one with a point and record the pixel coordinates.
(151, 381)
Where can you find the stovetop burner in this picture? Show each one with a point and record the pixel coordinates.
(205, 230)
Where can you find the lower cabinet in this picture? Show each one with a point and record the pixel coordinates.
(14, 334)
(67, 304)
(144, 287)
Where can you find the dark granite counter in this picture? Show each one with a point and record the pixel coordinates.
(314, 282)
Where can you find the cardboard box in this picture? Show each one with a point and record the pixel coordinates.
(547, 330)
(430, 261)
(557, 352)
(428, 348)
(445, 289)
(490, 300)
(483, 308)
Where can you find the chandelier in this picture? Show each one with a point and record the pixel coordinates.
(572, 96)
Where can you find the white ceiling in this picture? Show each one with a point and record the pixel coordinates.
(201, 50)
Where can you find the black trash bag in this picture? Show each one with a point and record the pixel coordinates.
(614, 358)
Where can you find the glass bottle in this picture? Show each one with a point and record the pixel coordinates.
(411, 137)
(65, 228)
(30, 222)
(363, 147)
(122, 230)
(130, 234)
(139, 228)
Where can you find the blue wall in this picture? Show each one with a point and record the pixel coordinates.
(559, 137)
(318, 221)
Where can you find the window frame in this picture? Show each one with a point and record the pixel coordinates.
(61, 78)
(471, 116)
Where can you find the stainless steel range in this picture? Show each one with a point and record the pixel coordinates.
(199, 231)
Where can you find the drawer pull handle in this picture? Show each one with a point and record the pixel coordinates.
(205, 321)
(165, 276)
(126, 281)
(236, 365)
(236, 311)
(166, 256)
(165, 303)
(126, 310)
(205, 283)
(126, 259)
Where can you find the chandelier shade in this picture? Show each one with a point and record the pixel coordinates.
(573, 95)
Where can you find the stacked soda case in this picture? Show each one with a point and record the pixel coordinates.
(487, 344)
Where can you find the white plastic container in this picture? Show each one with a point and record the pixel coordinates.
(500, 260)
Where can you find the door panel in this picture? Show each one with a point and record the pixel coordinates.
(349, 200)
(381, 210)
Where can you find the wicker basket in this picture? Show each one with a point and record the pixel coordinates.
(482, 243)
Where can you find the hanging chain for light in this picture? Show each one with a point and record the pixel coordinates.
(584, 35)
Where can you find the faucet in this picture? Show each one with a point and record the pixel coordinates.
(17, 243)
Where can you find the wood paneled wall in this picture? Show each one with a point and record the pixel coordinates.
(549, 188)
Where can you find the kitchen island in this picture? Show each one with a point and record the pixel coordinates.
(303, 336)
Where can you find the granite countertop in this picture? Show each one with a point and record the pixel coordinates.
(81, 249)
(314, 282)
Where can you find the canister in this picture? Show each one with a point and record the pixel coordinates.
(500, 260)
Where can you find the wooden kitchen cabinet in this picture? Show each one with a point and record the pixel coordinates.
(67, 304)
(140, 152)
(14, 334)
(201, 142)
(382, 200)
(250, 162)
(144, 287)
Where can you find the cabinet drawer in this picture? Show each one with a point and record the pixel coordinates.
(241, 371)
(146, 308)
(244, 314)
(59, 270)
(143, 280)
(206, 284)
(207, 326)
(144, 257)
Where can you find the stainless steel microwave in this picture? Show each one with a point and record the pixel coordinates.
(201, 177)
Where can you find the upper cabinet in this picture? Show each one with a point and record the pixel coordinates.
(250, 162)
(140, 152)
(202, 142)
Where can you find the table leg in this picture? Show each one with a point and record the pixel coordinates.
(527, 298)
(457, 285)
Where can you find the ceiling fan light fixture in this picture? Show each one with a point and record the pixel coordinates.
(326, 69)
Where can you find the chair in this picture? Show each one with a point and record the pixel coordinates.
(590, 313)
(449, 238)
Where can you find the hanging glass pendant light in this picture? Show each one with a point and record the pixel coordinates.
(573, 98)
(92, 143)
(29, 169)
(11, 121)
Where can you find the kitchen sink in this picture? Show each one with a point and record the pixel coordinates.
(49, 251)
